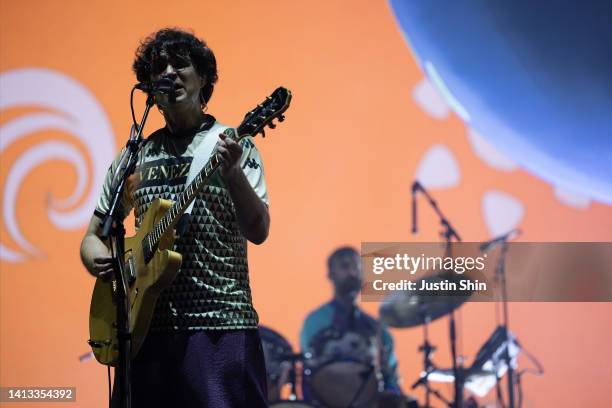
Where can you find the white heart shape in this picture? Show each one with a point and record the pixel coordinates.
(438, 168)
(427, 97)
(572, 199)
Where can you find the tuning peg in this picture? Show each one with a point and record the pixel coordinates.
(271, 125)
(281, 118)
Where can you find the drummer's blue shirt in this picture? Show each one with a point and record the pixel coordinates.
(333, 314)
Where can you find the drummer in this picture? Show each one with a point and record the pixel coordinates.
(343, 314)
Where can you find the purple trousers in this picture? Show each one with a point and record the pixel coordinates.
(213, 368)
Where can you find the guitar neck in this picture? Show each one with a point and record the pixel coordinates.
(254, 122)
(185, 198)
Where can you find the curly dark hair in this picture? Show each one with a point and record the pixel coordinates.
(176, 42)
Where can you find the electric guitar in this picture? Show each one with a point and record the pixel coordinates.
(150, 263)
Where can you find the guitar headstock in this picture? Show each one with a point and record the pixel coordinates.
(263, 115)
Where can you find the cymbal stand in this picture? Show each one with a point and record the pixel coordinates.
(427, 349)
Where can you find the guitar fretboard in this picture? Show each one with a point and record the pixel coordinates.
(183, 200)
(254, 122)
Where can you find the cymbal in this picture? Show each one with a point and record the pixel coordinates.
(405, 309)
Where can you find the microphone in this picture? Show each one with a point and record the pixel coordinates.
(502, 238)
(416, 186)
(164, 86)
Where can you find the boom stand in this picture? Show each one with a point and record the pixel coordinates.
(501, 276)
(449, 233)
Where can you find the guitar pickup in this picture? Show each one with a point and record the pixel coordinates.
(147, 251)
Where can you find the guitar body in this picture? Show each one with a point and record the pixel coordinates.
(143, 291)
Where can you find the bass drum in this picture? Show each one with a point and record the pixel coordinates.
(342, 370)
(344, 383)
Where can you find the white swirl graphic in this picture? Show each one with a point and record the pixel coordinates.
(68, 107)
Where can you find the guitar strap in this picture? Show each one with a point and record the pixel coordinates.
(202, 154)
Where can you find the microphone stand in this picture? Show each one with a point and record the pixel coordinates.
(501, 276)
(114, 231)
(449, 233)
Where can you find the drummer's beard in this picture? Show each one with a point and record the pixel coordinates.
(348, 285)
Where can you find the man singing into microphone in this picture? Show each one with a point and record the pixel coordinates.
(203, 348)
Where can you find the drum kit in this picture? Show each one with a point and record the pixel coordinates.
(342, 370)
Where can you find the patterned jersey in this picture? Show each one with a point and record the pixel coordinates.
(211, 290)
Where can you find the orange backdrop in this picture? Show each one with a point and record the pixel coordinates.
(339, 171)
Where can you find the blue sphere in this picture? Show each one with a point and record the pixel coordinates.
(532, 77)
